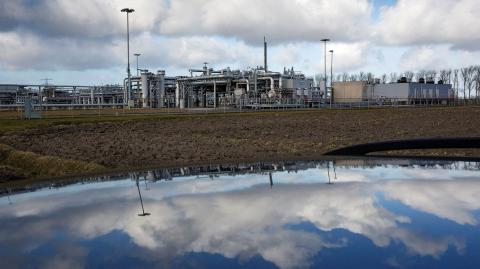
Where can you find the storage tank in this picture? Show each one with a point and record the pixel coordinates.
(145, 89)
(161, 85)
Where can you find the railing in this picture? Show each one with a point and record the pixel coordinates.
(229, 104)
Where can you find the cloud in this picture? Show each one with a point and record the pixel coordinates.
(411, 22)
(51, 54)
(281, 21)
(92, 19)
(424, 57)
(64, 53)
(178, 225)
(59, 35)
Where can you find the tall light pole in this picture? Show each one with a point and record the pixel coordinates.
(331, 69)
(136, 55)
(331, 79)
(325, 40)
(128, 11)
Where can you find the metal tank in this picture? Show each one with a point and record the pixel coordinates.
(145, 89)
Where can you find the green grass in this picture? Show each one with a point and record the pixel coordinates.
(23, 164)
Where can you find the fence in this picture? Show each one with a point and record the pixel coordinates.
(224, 105)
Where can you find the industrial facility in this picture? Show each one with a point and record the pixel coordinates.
(203, 88)
(208, 88)
(15, 95)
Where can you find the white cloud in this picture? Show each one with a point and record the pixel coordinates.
(431, 22)
(178, 34)
(280, 20)
(178, 223)
(424, 57)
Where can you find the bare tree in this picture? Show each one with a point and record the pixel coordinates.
(409, 75)
(420, 74)
(345, 77)
(443, 75)
(449, 76)
(455, 82)
(431, 75)
(353, 77)
(362, 76)
(384, 79)
(476, 71)
(467, 77)
(393, 77)
(370, 77)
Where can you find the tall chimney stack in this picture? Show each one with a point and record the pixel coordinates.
(265, 54)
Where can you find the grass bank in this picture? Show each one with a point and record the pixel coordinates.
(17, 165)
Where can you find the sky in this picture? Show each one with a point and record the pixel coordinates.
(84, 42)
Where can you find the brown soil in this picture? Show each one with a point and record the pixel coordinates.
(237, 137)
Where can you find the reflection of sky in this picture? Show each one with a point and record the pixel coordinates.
(378, 217)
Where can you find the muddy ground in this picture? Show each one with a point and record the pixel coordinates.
(240, 137)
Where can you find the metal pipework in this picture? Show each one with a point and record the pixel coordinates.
(272, 81)
(244, 81)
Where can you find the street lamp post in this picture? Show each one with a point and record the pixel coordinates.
(325, 40)
(331, 69)
(136, 55)
(128, 11)
(331, 77)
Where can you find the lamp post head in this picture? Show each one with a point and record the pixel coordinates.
(331, 51)
(137, 54)
(128, 10)
(325, 40)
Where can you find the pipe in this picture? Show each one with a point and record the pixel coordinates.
(244, 81)
(272, 81)
(177, 94)
(248, 85)
(214, 94)
(204, 78)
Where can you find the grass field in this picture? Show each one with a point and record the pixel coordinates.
(137, 139)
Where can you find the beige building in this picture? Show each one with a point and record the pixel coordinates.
(352, 91)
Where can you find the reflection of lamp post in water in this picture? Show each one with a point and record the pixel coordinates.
(328, 173)
(271, 181)
(8, 197)
(146, 187)
(335, 172)
(141, 201)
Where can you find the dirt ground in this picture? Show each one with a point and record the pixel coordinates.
(240, 137)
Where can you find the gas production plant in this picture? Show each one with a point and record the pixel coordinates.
(205, 87)
(209, 88)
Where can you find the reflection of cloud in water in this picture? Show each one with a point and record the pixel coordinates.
(454, 200)
(248, 220)
(252, 221)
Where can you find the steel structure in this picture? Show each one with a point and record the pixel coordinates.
(15, 95)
